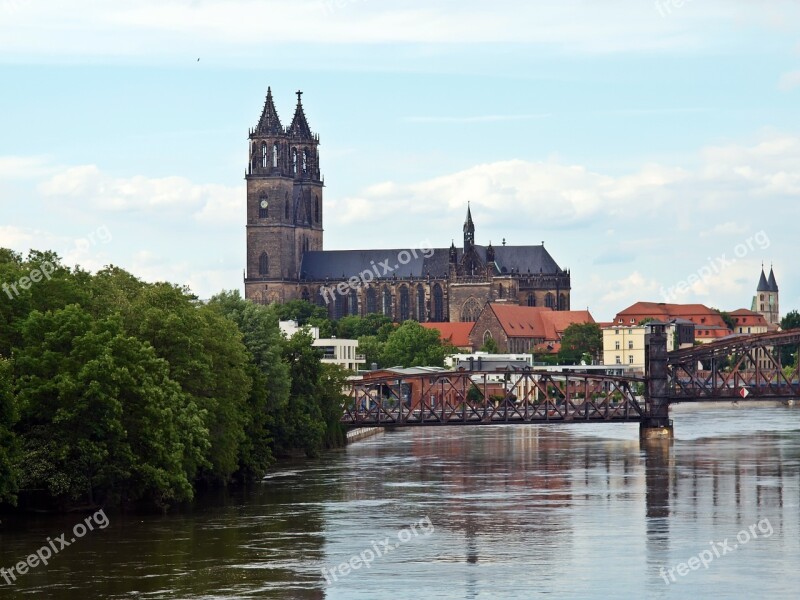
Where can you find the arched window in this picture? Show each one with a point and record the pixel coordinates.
(372, 301)
(531, 300)
(294, 161)
(264, 154)
(387, 303)
(263, 208)
(306, 296)
(470, 311)
(487, 335)
(501, 292)
(353, 302)
(305, 161)
(316, 208)
(405, 312)
(549, 301)
(438, 303)
(286, 210)
(421, 312)
(275, 156)
(340, 307)
(263, 264)
(562, 302)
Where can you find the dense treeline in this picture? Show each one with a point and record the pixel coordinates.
(118, 392)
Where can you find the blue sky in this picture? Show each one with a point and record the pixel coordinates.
(641, 140)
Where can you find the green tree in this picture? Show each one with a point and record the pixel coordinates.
(579, 339)
(412, 345)
(727, 318)
(791, 321)
(372, 349)
(789, 354)
(8, 442)
(490, 346)
(301, 311)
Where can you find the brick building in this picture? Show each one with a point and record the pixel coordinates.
(286, 260)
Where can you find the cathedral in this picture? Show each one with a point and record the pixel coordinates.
(286, 260)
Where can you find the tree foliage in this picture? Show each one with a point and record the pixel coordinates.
(579, 339)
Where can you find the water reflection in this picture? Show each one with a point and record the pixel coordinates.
(517, 511)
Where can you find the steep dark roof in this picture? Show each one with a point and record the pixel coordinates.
(763, 286)
(269, 122)
(299, 127)
(342, 264)
(773, 285)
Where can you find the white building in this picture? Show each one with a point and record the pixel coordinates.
(336, 351)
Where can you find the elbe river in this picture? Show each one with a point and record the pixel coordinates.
(490, 512)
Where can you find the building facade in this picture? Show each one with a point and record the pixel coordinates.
(286, 260)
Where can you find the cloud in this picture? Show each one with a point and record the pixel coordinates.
(164, 196)
(789, 81)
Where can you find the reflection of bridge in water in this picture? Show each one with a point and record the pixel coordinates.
(741, 367)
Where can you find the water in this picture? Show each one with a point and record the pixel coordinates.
(498, 512)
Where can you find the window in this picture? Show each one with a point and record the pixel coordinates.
(305, 161)
(616, 346)
(630, 359)
(294, 161)
(633, 320)
(264, 155)
(501, 292)
(438, 303)
(353, 302)
(616, 331)
(630, 345)
(372, 301)
(405, 312)
(387, 302)
(275, 156)
(487, 335)
(619, 360)
(263, 208)
(421, 312)
(549, 301)
(263, 264)
(531, 300)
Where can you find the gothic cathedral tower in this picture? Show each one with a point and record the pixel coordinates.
(284, 204)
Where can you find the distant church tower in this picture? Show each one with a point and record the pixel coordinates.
(284, 204)
(766, 300)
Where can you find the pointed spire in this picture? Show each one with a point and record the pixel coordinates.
(269, 123)
(763, 286)
(773, 285)
(468, 224)
(469, 231)
(299, 127)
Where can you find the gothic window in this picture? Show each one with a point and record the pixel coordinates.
(353, 302)
(549, 301)
(263, 208)
(531, 300)
(263, 264)
(305, 161)
(275, 156)
(306, 296)
(562, 302)
(372, 301)
(286, 210)
(294, 161)
(387, 303)
(340, 307)
(421, 312)
(438, 303)
(316, 208)
(487, 335)
(264, 155)
(470, 311)
(405, 312)
(501, 292)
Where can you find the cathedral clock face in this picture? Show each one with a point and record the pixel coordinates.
(264, 204)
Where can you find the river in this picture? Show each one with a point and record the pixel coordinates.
(490, 512)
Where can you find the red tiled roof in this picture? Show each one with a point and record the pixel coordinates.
(537, 321)
(455, 333)
(748, 317)
(699, 314)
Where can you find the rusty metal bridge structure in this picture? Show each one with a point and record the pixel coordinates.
(740, 367)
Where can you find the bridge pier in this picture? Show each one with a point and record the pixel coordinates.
(656, 425)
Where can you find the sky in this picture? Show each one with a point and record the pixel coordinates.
(653, 145)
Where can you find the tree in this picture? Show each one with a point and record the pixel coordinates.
(579, 339)
(791, 321)
(301, 311)
(412, 345)
(731, 324)
(8, 442)
(372, 349)
(490, 346)
(789, 354)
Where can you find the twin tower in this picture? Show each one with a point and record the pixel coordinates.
(284, 203)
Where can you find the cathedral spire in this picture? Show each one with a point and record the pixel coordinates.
(773, 285)
(269, 123)
(763, 285)
(299, 127)
(469, 231)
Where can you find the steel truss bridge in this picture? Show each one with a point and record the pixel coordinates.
(740, 367)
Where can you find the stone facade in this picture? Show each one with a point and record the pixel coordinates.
(286, 261)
